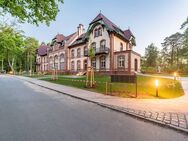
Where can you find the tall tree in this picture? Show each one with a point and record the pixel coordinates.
(11, 45)
(171, 48)
(31, 44)
(185, 48)
(151, 55)
(32, 11)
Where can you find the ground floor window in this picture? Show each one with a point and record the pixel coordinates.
(56, 66)
(78, 65)
(51, 66)
(93, 63)
(102, 62)
(121, 61)
(62, 65)
(72, 65)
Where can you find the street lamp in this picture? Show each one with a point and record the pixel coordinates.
(175, 75)
(156, 85)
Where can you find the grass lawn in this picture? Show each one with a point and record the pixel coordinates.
(168, 88)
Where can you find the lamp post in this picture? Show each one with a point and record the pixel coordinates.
(157, 85)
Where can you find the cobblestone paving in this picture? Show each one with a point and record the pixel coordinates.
(178, 121)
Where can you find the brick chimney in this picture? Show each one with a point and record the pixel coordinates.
(81, 29)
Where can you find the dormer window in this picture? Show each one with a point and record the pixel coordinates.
(98, 32)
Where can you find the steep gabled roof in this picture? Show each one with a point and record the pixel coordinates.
(109, 23)
(127, 34)
(42, 50)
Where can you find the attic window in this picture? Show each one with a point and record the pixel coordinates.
(98, 32)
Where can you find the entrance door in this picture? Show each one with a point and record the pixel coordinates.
(85, 65)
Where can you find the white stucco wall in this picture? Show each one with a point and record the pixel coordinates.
(97, 40)
(117, 42)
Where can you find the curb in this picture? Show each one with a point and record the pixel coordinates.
(127, 111)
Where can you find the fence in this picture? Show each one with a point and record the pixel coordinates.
(108, 88)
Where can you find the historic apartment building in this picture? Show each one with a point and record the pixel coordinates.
(69, 54)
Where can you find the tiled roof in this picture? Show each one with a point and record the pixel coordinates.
(59, 38)
(106, 21)
(125, 34)
(81, 39)
(42, 50)
(68, 37)
(128, 34)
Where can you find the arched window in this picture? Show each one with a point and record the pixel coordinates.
(121, 46)
(93, 45)
(121, 61)
(78, 65)
(85, 51)
(102, 62)
(78, 52)
(135, 64)
(72, 53)
(62, 61)
(56, 62)
(93, 63)
(100, 31)
(72, 65)
(102, 44)
(96, 32)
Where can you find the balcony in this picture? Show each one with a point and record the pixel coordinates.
(98, 51)
(101, 50)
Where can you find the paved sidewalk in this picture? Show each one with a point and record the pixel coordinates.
(171, 112)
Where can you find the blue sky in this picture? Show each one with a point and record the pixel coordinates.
(150, 20)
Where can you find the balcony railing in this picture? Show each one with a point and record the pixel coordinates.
(98, 51)
(102, 50)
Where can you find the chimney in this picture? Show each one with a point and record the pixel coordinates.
(81, 29)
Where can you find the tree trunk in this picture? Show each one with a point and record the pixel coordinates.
(177, 58)
(30, 60)
(172, 56)
(11, 65)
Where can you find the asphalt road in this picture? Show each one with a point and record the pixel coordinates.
(32, 113)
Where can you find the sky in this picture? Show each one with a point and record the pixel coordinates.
(149, 20)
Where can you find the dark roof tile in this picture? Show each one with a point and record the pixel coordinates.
(128, 34)
(42, 50)
(59, 38)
